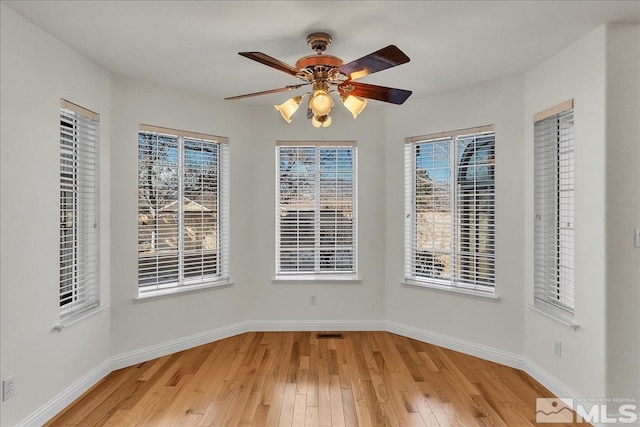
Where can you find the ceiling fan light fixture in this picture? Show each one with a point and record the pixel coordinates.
(324, 72)
(321, 121)
(289, 107)
(354, 104)
(320, 102)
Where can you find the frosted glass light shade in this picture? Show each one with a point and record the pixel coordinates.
(354, 104)
(289, 107)
(320, 103)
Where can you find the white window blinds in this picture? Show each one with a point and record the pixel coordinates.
(554, 208)
(316, 206)
(79, 210)
(450, 209)
(183, 236)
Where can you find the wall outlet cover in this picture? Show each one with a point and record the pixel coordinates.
(8, 388)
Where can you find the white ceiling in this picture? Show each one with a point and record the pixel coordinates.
(193, 45)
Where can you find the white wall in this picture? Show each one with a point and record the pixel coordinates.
(623, 210)
(494, 324)
(37, 70)
(577, 72)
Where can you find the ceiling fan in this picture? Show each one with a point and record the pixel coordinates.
(327, 74)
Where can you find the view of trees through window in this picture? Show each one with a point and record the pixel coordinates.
(316, 228)
(178, 207)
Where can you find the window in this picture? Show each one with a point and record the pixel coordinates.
(182, 210)
(450, 209)
(79, 210)
(554, 209)
(316, 209)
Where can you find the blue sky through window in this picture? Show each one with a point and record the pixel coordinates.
(434, 157)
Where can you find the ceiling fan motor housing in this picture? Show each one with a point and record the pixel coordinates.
(312, 61)
(319, 67)
(319, 41)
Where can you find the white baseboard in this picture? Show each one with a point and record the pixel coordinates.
(315, 325)
(68, 395)
(180, 344)
(494, 355)
(473, 349)
(62, 400)
(153, 352)
(549, 381)
(487, 353)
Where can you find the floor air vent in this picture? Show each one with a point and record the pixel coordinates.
(329, 336)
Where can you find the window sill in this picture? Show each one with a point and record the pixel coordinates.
(315, 280)
(79, 317)
(554, 315)
(180, 290)
(452, 290)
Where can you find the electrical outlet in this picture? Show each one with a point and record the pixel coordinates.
(8, 388)
(313, 300)
(557, 348)
(636, 238)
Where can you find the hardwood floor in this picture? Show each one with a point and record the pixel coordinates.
(296, 379)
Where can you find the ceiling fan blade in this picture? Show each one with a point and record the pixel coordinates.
(379, 93)
(382, 59)
(267, 92)
(271, 62)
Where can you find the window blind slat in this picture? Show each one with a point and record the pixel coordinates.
(449, 209)
(79, 210)
(316, 200)
(554, 211)
(182, 209)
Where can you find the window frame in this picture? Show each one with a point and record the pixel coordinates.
(317, 275)
(553, 244)
(455, 191)
(79, 212)
(180, 209)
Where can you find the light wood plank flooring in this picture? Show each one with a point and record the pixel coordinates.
(296, 379)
